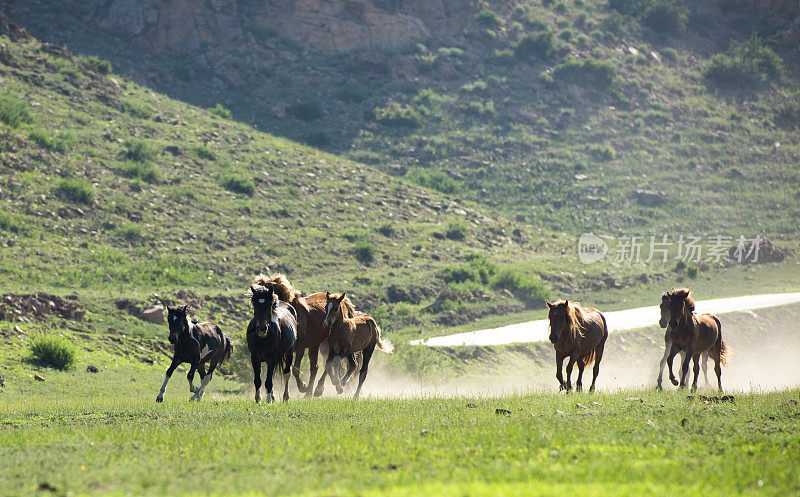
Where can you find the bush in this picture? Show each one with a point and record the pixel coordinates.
(534, 45)
(748, 64)
(205, 153)
(53, 351)
(397, 115)
(487, 18)
(666, 16)
(604, 152)
(364, 252)
(434, 179)
(139, 150)
(59, 142)
(670, 54)
(75, 190)
(132, 232)
(527, 288)
(318, 139)
(238, 183)
(305, 111)
(135, 108)
(14, 111)
(140, 170)
(385, 229)
(220, 111)
(586, 72)
(456, 230)
(100, 65)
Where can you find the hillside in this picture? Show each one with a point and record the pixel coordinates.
(557, 112)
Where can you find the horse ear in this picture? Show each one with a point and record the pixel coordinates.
(252, 289)
(185, 308)
(327, 295)
(549, 305)
(344, 294)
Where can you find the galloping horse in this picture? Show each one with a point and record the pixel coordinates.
(695, 334)
(350, 334)
(579, 333)
(311, 333)
(271, 336)
(663, 322)
(197, 344)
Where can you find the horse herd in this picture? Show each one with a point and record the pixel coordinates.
(285, 324)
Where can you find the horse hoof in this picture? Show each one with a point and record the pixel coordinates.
(658, 387)
(286, 397)
(339, 389)
(674, 382)
(159, 399)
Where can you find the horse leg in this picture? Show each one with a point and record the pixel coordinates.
(579, 382)
(351, 366)
(325, 349)
(704, 364)
(559, 377)
(190, 375)
(170, 370)
(667, 347)
(695, 370)
(570, 364)
(313, 356)
(673, 351)
(268, 381)
(206, 377)
(718, 370)
(298, 360)
(286, 368)
(598, 356)
(256, 377)
(330, 369)
(362, 375)
(685, 368)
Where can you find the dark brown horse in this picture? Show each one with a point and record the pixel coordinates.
(350, 334)
(271, 336)
(197, 344)
(694, 334)
(311, 334)
(664, 323)
(579, 333)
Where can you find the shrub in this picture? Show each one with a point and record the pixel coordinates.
(460, 274)
(397, 115)
(135, 108)
(539, 45)
(53, 351)
(140, 170)
(456, 230)
(102, 66)
(139, 150)
(487, 18)
(220, 111)
(692, 271)
(527, 288)
(586, 72)
(306, 111)
(238, 183)
(205, 153)
(14, 111)
(318, 139)
(364, 252)
(670, 54)
(132, 232)
(434, 179)
(667, 16)
(604, 152)
(75, 190)
(788, 116)
(385, 229)
(745, 65)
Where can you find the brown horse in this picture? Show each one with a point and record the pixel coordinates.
(664, 323)
(579, 333)
(311, 334)
(695, 334)
(350, 334)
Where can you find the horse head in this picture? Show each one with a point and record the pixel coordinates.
(680, 303)
(664, 307)
(333, 308)
(263, 300)
(177, 319)
(557, 314)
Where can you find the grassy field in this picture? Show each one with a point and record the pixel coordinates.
(104, 435)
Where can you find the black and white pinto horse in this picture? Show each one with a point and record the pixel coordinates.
(198, 344)
(271, 336)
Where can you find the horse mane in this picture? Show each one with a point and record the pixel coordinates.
(575, 322)
(280, 285)
(349, 310)
(685, 295)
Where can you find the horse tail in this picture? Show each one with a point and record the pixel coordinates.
(384, 345)
(724, 351)
(588, 358)
(228, 350)
(605, 326)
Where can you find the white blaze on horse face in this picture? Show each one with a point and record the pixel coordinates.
(261, 301)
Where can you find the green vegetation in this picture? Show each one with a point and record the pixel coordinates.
(397, 115)
(220, 111)
(75, 190)
(538, 45)
(364, 252)
(238, 183)
(745, 65)
(57, 142)
(586, 72)
(305, 111)
(53, 351)
(434, 179)
(139, 150)
(14, 111)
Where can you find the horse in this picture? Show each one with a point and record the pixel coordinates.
(271, 337)
(350, 334)
(663, 322)
(579, 333)
(197, 344)
(694, 334)
(311, 334)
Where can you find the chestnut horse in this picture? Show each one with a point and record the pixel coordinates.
(695, 334)
(271, 336)
(350, 334)
(663, 322)
(579, 333)
(197, 344)
(311, 334)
